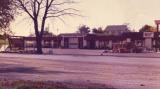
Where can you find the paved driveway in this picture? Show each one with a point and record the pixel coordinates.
(124, 72)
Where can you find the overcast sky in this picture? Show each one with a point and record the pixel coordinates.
(100, 13)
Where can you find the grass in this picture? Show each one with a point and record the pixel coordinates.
(5, 84)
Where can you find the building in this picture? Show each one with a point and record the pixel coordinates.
(72, 40)
(47, 42)
(116, 30)
(101, 41)
(16, 43)
(126, 42)
(145, 40)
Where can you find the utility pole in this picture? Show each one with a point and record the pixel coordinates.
(157, 22)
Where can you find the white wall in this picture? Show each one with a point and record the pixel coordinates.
(148, 43)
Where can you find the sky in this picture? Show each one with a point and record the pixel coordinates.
(98, 13)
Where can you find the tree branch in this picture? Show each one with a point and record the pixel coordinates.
(39, 6)
(62, 3)
(63, 14)
(62, 11)
(25, 9)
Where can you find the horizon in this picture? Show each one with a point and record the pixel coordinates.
(99, 13)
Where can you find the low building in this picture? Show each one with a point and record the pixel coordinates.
(20, 43)
(127, 42)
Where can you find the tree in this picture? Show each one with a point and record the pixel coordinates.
(147, 28)
(99, 30)
(40, 10)
(6, 15)
(83, 29)
(46, 33)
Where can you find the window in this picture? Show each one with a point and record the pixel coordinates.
(30, 43)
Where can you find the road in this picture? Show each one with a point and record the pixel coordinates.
(124, 72)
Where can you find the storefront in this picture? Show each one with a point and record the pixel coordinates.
(95, 41)
(72, 41)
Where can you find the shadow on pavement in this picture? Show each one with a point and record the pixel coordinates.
(32, 70)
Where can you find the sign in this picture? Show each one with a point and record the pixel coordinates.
(157, 21)
(148, 34)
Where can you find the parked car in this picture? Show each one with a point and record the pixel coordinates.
(148, 51)
(138, 50)
(123, 50)
(107, 51)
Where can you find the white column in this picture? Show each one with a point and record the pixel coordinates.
(52, 42)
(84, 43)
(110, 44)
(62, 42)
(97, 44)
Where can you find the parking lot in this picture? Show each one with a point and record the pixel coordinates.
(120, 72)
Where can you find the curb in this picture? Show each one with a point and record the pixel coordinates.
(100, 55)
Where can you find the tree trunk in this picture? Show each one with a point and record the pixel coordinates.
(38, 38)
(39, 45)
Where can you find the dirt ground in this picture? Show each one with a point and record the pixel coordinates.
(23, 84)
(119, 72)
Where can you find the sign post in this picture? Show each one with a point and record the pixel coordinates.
(157, 22)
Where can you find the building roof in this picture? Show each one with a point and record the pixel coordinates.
(33, 38)
(44, 38)
(71, 35)
(117, 28)
(103, 37)
(133, 35)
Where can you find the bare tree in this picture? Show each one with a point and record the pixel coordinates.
(40, 10)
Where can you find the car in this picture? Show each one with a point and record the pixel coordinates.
(107, 51)
(148, 51)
